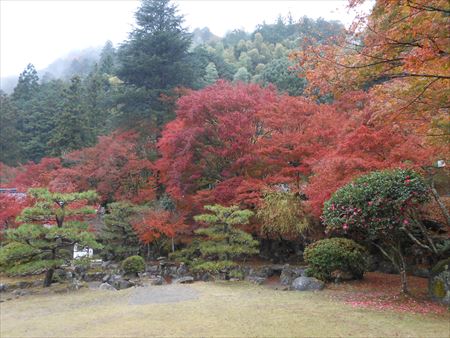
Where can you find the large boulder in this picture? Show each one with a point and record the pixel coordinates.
(59, 275)
(158, 280)
(76, 284)
(80, 269)
(256, 280)
(182, 270)
(184, 280)
(307, 284)
(289, 273)
(106, 264)
(106, 286)
(20, 292)
(152, 269)
(119, 283)
(94, 276)
(24, 285)
(263, 272)
(122, 284)
(204, 276)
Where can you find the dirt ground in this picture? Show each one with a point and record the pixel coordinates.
(224, 309)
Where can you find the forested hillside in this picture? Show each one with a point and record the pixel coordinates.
(96, 94)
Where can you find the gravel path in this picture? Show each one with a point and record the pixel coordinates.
(162, 294)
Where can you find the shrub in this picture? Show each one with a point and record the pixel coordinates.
(213, 267)
(328, 255)
(382, 209)
(282, 214)
(133, 265)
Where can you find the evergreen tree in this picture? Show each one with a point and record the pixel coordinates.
(98, 105)
(24, 99)
(39, 124)
(27, 86)
(72, 130)
(119, 239)
(242, 75)
(221, 242)
(51, 229)
(280, 74)
(107, 59)
(154, 58)
(211, 75)
(10, 136)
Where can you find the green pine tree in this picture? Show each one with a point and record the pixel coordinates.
(50, 230)
(221, 242)
(119, 239)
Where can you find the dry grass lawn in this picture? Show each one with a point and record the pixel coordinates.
(211, 309)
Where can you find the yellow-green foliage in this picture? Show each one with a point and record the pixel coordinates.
(438, 288)
(213, 267)
(281, 214)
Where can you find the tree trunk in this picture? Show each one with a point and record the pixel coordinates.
(48, 277)
(402, 270)
(401, 265)
(440, 203)
(404, 281)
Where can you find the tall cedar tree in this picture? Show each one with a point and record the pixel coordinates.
(23, 104)
(10, 136)
(52, 226)
(154, 58)
(72, 131)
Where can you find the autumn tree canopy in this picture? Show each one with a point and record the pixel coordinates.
(400, 54)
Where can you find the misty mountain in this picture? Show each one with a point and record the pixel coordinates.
(203, 35)
(80, 62)
(77, 62)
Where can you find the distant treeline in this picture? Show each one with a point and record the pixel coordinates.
(73, 103)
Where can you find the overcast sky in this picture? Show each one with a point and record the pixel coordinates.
(41, 31)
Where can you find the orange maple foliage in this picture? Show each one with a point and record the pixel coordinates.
(400, 53)
(152, 224)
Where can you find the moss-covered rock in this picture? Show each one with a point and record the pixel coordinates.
(439, 282)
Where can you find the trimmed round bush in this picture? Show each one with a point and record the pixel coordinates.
(328, 256)
(133, 265)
